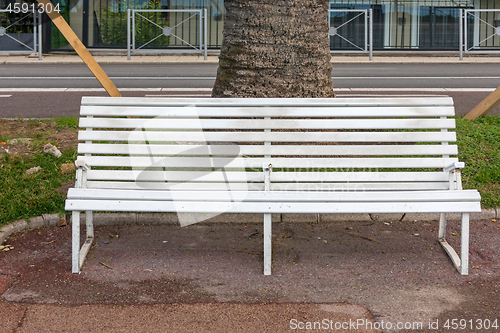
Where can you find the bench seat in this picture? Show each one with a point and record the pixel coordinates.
(274, 201)
(343, 155)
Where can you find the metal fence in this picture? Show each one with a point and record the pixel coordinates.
(20, 32)
(481, 31)
(351, 31)
(166, 31)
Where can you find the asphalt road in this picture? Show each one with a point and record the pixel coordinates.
(43, 91)
(203, 76)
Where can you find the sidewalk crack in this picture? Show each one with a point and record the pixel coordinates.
(21, 321)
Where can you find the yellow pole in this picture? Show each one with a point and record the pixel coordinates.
(488, 104)
(82, 51)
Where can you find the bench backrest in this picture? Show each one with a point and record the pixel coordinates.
(344, 144)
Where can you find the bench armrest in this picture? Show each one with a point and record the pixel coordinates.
(81, 174)
(455, 179)
(82, 165)
(455, 166)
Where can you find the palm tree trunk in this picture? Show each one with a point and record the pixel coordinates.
(275, 48)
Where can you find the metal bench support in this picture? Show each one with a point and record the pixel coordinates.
(78, 255)
(267, 244)
(462, 262)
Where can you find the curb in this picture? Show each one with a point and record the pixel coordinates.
(50, 220)
(105, 62)
(214, 59)
(45, 220)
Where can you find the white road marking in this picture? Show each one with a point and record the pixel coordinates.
(5, 95)
(101, 89)
(213, 77)
(413, 77)
(419, 89)
(384, 95)
(111, 77)
(180, 96)
(44, 90)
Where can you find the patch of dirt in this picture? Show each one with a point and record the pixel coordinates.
(63, 189)
(24, 137)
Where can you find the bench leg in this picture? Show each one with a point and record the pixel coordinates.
(267, 244)
(442, 226)
(75, 242)
(78, 255)
(90, 224)
(462, 262)
(464, 255)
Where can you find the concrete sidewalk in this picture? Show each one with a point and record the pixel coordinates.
(208, 278)
(207, 317)
(214, 59)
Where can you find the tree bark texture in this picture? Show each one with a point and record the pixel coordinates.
(275, 48)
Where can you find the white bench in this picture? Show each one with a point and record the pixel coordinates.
(342, 155)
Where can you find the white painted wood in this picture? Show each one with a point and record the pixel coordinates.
(187, 186)
(282, 150)
(442, 224)
(454, 166)
(278, 163)
(253, 176)
(280, 196)
(75, 241)
(268, 102)
(342, 187)
(173, 112)
(157, 136)
(273, 207)
(276, 111)
(458, 184)
(455, 259)
(267, 244)
(367, 172)
(89, 220)
(85, 250)
(255, 124)
(464, 255)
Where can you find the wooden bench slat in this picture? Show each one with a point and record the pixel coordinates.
(269, 207)
(342, 187)
(232, 176)
(257, 124)
(200, 162)
(267, 102)
(221, 150)
(387, 196)
(194, 186)
(303, 111)
(156, 136)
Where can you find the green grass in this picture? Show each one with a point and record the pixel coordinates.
(23, 196)
(479, 147)
(66, 122)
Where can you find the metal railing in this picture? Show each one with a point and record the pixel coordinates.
(479, 31)
(12, 37)
(169, 36)
(354, 32)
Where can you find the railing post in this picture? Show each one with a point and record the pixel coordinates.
(371, 35)
(128, 34)
(464, 22)
(39, 36)
(205, 15)
(461, 34)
